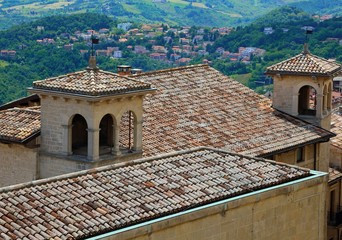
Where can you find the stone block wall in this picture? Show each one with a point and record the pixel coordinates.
(292, 212)
(18, 164)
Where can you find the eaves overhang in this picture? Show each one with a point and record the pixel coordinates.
(8, 140)
(91, 98)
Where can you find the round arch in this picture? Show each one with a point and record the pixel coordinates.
(79, 135)
(325, 98)
(329, 98)
(106, 134)
(307, 100)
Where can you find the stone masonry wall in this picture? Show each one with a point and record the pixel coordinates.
(17, 164)
(293, 212)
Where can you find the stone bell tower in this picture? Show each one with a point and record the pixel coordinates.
(88, 119)
(303, 87)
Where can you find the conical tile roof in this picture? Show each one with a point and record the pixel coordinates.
(305, 64)
(92, 82)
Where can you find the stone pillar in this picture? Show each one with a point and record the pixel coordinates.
(116, 149)
(294, 108)
(319, 107)
(67, 140)
(137, 145)
(93, 144)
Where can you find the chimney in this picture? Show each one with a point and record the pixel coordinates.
(136, 71)
(124, 70)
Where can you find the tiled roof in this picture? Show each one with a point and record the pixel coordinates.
(100, 200)
(91, 82)
(336, 127)
(334, 174)
(199, 106)
(306, 64)
(19, 124)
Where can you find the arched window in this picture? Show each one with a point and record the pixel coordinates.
(106, 134)
(307, 101)
(325, 99)
(330, 96)
(127, 128)
(79, 135)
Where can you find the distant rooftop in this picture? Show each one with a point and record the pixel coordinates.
(96, 201)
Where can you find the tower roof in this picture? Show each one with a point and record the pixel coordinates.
(305, 63)
(92, 82)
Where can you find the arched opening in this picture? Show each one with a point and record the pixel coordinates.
(127, 128)
(307, 101)
(325, 99)
(329, 99)
(106, 134)
(79, 135)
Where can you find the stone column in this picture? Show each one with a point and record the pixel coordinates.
(116, 149)
(319, 107)
(137, 145)
(294, 107)
(93, 144)
(67, 140)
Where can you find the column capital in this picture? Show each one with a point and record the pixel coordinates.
(93, 129)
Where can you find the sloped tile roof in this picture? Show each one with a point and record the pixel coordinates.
(88, 203)
(334, 174)
(91, 82)
(19, 124)
(199, 106)
(306, 64)
(336, 127)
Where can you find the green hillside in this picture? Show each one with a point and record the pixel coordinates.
(175, 12)
(35, 59)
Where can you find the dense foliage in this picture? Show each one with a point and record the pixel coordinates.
(287, 40)
(36, 61)
(176, 12)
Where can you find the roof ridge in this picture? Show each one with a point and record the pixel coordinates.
(99, 169)
(26, 109)
(138, 161)
(172, 69)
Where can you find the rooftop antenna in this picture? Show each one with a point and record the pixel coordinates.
(94, 40)
(92, 59)
(308, 30)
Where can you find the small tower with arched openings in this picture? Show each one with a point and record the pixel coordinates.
(89, 118)
(303, 87)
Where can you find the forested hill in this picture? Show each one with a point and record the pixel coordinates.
(43, 47)
(175, 12)
(41, 53)
(288, 26)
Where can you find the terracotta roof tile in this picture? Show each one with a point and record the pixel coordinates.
(108, 198)
(199, 106)
(305, 63)
(19, 124)
(336, 127)
(334, 174)
(91, 82)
